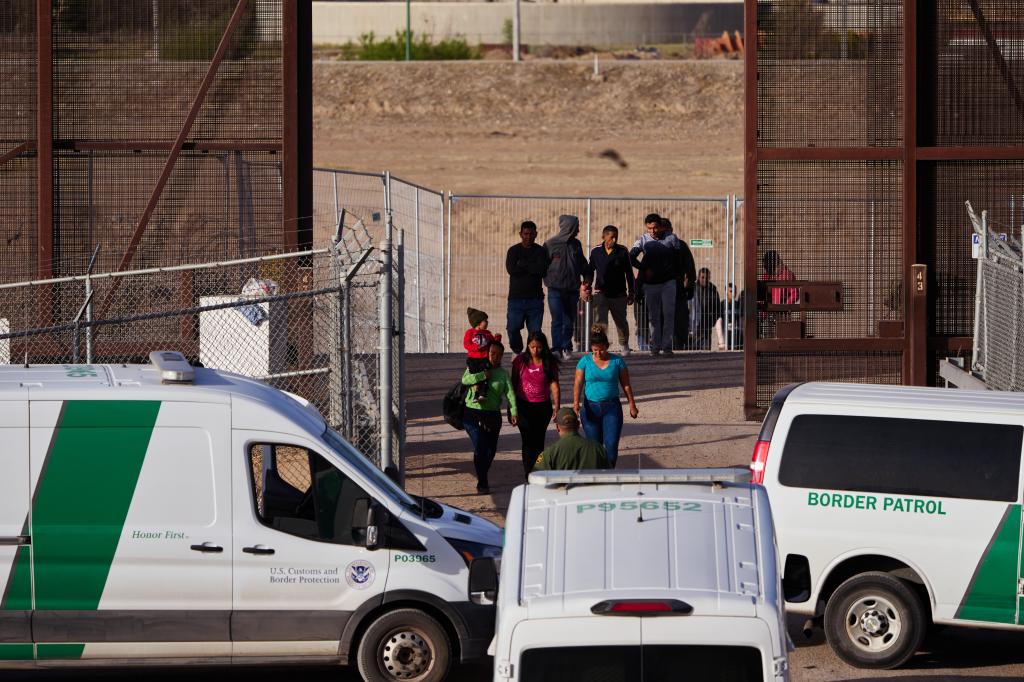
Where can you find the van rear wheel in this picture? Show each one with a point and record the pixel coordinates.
(874, 620)
(404, 645)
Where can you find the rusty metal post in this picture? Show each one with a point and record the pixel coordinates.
(44, 158)
(750, 340)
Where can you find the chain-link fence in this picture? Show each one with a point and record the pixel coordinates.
(418, 214)
(482, 227)
(309, 323)
(999, 305)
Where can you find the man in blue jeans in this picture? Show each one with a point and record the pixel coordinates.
(526, 264)
(564, 280)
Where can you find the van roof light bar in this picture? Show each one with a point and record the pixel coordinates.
(555, 479)
(174, 368)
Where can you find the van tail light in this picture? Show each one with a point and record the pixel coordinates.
(758, 461)
(641, 607)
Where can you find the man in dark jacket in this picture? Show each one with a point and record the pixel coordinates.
(613, 283)
(564, 280)
(684, 288)
(656, 257)
(526, 263)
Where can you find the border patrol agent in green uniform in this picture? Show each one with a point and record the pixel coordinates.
(572, 452)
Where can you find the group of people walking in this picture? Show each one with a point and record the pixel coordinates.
(675, 306)
(533, 397)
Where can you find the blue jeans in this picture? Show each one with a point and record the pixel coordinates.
(483, 429)
(563, 304)
(528, 311)
(602, 422)
(661, 305)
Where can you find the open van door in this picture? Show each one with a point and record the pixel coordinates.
(15, 573)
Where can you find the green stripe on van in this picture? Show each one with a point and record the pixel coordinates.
(82, 499)
(56, 652)
(992, 594)
(17, 652)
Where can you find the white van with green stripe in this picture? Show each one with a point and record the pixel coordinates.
(896, 508)
(160, 513)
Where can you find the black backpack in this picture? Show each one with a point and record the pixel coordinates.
(454, 405)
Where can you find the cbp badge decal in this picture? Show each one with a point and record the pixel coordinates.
(359, 574)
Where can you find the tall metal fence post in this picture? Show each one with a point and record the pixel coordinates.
(336, 404)
(587, 312)
(440, 288)
(735, 274)
(386, 329)
(400, 317)
(725, 272)
(448, 282)
(419, 278)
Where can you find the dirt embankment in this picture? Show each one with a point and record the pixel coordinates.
(552, 127)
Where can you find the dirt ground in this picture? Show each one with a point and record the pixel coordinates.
(539, 127)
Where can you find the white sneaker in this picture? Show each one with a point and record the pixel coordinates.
(626, 350)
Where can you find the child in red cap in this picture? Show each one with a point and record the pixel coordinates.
(476, 342)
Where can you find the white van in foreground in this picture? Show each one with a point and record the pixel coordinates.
(644, 576)
(896, 507)
(160, 513)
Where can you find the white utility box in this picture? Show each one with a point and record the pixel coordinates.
(250, 339)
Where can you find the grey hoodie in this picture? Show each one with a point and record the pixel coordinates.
(568, 264)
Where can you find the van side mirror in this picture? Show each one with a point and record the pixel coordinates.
(376, 521)
(483, 581)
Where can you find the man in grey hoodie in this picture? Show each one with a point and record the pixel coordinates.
(564, 281)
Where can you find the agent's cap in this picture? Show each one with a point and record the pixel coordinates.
(566, 417)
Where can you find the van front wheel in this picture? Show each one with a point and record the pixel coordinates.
(874, 620)
(406, 645)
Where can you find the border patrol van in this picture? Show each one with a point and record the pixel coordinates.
(643, 576)
(162, 513)
(894, 508)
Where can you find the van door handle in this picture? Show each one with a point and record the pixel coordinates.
(258, 549)
(15, 540)
(207, 547)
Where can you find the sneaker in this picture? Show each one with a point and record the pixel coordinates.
(654, 351)
(626, 350)
(667, 351)
(566, 355)
(483, 489)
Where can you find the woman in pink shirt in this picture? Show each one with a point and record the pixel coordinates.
(535, 379)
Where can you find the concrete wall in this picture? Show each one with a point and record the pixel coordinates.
(543, 24)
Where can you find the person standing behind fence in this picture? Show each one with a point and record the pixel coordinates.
(655, 255)
(705, 311)
(482, 416)
(613, 283)
(733, 315)
(526, 263)
(595, 393)
(684, 289)
(565, 282)
(538, 396)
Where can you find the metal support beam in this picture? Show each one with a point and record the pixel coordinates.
(997, 55)
(750, 158)
(16, 151)
(44, 142)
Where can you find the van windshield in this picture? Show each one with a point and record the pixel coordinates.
(385, 485)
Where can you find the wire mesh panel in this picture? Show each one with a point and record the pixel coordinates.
(829, 74)
(996, 185)
(419, 213)
(777, 370)
(834, 221)
(215, 206)
(979, 53)
(130, 69)
(18, 126)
